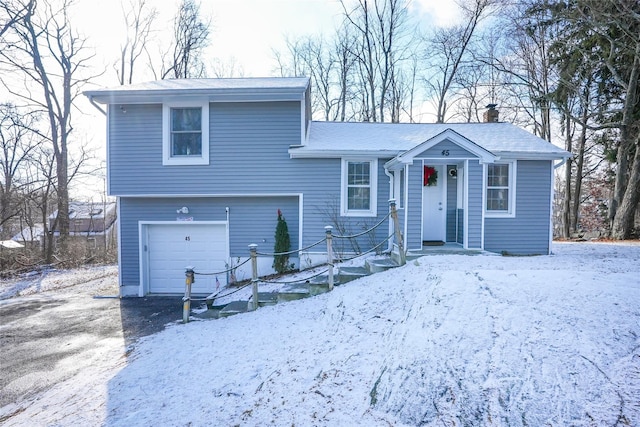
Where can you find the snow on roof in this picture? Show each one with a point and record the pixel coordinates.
(201, 87)
(85, 210)
(29, 234)
(498, 138)
(10, 244)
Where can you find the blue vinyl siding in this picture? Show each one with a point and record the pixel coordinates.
(251, 220)
(319, 180)
(474, 229)
(135, 145)
(248, 143)
(528, 232)
(414, 219)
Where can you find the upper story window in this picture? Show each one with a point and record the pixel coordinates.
(359, 187)
(185, 133)
(501, 189)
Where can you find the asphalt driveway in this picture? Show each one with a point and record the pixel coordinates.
(50, 336)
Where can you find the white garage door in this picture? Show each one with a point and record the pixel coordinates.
(172, 247)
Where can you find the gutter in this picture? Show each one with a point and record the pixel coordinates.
(564, 160)
(300, 152)
(96, 105)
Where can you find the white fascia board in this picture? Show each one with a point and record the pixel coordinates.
(512, 155)
(208, 196)
(213, 95)
(296, 153)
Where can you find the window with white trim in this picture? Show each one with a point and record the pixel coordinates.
(185, 135)
(500, 198)
(359, 187)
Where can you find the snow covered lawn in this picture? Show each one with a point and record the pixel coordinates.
(445, 340)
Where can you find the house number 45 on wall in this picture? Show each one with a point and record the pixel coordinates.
(187, 238)
(445, 153)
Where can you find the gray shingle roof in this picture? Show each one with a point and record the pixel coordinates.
(498, 138)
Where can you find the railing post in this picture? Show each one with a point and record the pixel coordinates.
(328, 230)
(397, 232)
(253, 249)
(186, 300)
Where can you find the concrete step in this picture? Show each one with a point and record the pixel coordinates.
(234, 307)
(318, 288)
(267, 298)
(320, 284)
(377, 265)
(411, 256)
(347, 274)
(294, 292)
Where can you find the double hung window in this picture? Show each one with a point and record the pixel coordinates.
(186, 134)
(359, 186)
(500, 198)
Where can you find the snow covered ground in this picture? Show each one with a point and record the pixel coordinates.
(94, 280)
(446, 340)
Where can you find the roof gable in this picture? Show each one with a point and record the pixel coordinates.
(407, 157)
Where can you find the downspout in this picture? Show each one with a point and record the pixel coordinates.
(391, 230)
(97, 106)
(405, 207)
(564, 160)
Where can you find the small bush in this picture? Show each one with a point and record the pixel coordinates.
(282, 244)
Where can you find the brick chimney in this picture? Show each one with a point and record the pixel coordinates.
(491, 115)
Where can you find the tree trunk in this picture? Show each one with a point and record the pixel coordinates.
(566, 205)
(624, 220)
(577, 191)
(626, 143)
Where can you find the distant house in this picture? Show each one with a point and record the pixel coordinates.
(201, 166)
(95, 222)
(88, 218)
(30, 236)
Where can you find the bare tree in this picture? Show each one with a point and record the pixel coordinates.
(226, 68)
(191, 36)
(383, 35)
(43, 48)
(329, 65)
(14, 11)
(17, 142)
(138, 18)
(446, 50)
(524, 64)
(342, 47)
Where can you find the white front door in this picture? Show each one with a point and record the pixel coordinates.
(434, 209)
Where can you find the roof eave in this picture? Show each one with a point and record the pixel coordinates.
(298, 153)
(146, 96)
(515, 155)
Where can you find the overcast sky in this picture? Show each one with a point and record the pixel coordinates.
(245, 30)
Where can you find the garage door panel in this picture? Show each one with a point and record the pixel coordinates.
(173, 247)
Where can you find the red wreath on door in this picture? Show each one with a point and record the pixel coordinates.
(430, 176)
